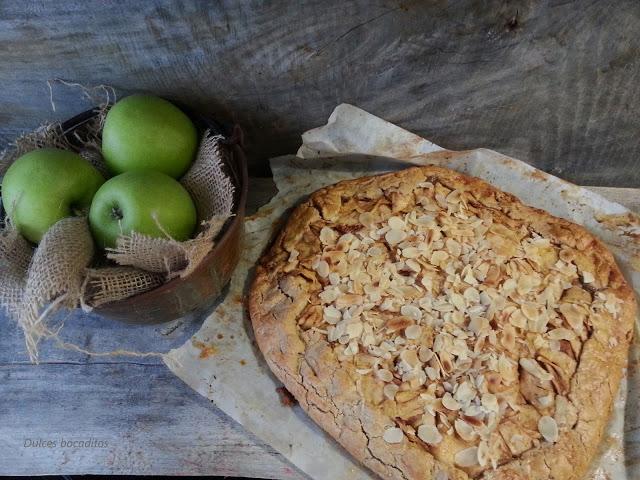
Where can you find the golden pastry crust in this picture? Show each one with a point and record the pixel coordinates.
(420, 314)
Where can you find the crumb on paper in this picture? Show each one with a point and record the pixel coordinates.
(538, 175)
(627, 220)
(286, 399)
(205, 350)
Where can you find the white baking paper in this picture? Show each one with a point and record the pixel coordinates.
(222, 362)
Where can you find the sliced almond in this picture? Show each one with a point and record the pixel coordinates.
(561, 334)
(432, 373)
(449, 402)
(548, 428)
(438, 257)
(411, 311)
(574, 314)
(534, 368)
(458, 301)
(472, 295)
(396, 223)
(328, 236)
(354, 330)
(483, 453)
(490, 402)
(464, 430)
(384, 375)
(293, 255)
(394, 236)
(467, 458)
(322, 268)
(518, 319)
(393, 435)
(530, 310)
(413, 332)
(508, 369)
(366, 219)
(331, 315)
(352, 348)
(410, 358)
(429, 434)
(546, 400)
(390, 390)
(410, 252)
(465, 393)
(425, 354)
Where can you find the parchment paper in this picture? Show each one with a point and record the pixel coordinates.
(221, 361)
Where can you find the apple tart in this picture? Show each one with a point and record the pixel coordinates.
(438, 328)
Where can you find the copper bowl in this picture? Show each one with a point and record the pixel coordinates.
(201, 288)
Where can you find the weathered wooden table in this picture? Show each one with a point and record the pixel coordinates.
(133, 415)
(552, 83)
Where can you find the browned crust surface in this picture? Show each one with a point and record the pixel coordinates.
(335, 396)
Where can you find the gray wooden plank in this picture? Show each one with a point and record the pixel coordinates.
(553, 83)
(150, 421)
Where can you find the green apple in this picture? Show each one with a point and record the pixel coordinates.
(46, 185)
(142, 132)
(146, 202)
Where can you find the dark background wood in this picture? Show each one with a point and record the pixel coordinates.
(554, 83)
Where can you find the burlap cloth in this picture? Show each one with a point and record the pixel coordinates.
(64, 271)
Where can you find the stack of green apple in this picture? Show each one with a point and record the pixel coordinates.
(147, 144)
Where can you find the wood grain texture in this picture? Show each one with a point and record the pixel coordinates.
(136, 419)
(553, 83)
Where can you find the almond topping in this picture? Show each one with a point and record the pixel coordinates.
(390, 390)
(465, 431)
(425, 354)
(467, 321)
(410, 358)
(410, 252)
(413, 332)
(384, 375)
(411, 311)
(366, 219)
(328, 236)
(548, 428)
(561, 334)
(393, 236)
(396, 223)
(449, 402)
(393, 435)
(490, 402)
(483, 453)
(429, 434)
(534, 368)
(322, 268)
(331, 315)
(438, 257)
(467, 457)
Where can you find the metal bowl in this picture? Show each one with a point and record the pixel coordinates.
(201, 288)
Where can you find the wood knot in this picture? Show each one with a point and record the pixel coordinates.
(512, 23)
